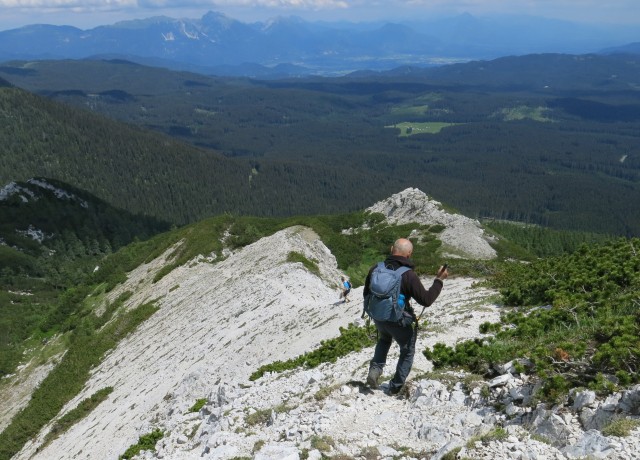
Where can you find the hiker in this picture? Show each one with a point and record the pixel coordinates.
(346, 289)
(404, 331)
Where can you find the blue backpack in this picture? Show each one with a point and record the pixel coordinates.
(384, 302)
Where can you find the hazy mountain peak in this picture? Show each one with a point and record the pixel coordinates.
(283, 21)
(142, 23)
(386, 45)
(217, 18)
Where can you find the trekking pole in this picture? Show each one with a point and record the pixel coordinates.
(420, 315)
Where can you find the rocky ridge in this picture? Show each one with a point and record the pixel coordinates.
(461, 237)
(217, 323)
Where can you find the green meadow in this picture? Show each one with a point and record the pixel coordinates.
(411, 128)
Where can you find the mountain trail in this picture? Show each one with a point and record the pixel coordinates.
(217, 324)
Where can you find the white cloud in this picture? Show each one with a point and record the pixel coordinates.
(66, 3)
(106, 4)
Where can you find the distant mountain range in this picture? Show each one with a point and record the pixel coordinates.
(217, 44)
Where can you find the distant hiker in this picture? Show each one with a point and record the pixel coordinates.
(399, 321)
(346, 289)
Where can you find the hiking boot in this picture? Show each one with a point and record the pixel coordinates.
(392, 391)
(374, 375)
(400, 392)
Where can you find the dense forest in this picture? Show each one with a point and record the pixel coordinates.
(550, 155)
(153, 174)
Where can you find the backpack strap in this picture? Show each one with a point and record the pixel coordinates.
(402, 270)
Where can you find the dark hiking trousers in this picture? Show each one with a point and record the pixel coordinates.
(405, 337)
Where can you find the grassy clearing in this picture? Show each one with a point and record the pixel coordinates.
(419, 107)
(410, 128)
(524, 112)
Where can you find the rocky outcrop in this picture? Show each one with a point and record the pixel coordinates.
(462, 236)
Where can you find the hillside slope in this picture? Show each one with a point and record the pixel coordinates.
(512, 139)
(148, 173)
(216, 325)
(207, 339)
(220, 319)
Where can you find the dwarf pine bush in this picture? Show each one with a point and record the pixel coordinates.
(199, 404)
(575, 317)
(352, 338)
(145, 442)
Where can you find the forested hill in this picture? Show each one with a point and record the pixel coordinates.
(506, 139)
(43, 213)
(546, 73)
(52, 235)
(148, 173)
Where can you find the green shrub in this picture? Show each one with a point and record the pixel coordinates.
(370, 453)
(67, 379)
(452, 454)
(83, 409)
(322, 443)
(497, 434)
(588, 325)
(534, 240)
(259, 417)
(262, 416)
(199, 404)
(257, 446)
(352, 338)
(145, 442)
(324, 392)
(310, 265)
(620, 427)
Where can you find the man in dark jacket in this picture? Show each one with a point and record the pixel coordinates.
(405, 331)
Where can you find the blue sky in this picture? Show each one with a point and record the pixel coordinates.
(90, 13)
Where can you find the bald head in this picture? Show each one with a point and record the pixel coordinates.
(402, 247)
